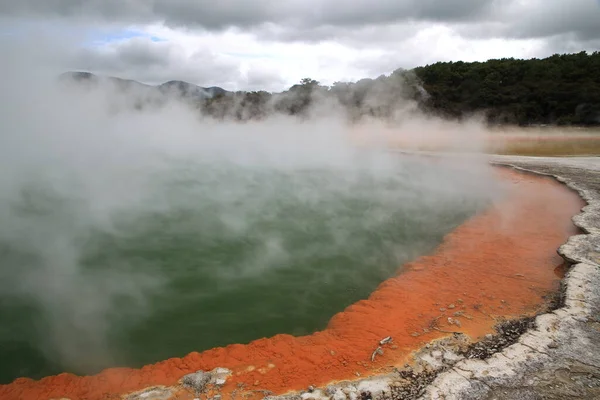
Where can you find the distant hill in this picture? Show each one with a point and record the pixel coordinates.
(189, 90)
(178, 88)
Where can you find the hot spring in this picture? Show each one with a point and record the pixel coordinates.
(128, 238)
(211, 255)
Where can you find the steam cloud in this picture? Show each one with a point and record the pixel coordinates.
(75, 162)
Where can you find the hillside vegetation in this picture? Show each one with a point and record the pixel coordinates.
(562, 89)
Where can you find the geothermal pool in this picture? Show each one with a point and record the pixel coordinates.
(211, 254)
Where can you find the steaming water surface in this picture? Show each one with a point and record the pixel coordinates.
(130, 236)
(212, 254)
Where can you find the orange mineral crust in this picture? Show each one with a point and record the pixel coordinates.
(499, 264)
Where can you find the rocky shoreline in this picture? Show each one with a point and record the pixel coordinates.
(553, 356)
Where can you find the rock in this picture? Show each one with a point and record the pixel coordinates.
(218, 376)
(221, 371)
(196, 380)
(379, 351)
(330, 390)
(339, 395)
(151, 393)
(385, 340)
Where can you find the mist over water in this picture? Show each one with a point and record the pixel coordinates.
(127, 237)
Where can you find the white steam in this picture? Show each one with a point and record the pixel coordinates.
(73, 162)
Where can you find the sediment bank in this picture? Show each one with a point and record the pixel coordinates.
(499, 265)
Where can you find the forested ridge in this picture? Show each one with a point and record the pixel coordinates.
(562, 89)
(558, 90)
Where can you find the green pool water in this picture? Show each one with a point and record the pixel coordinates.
(210, 254)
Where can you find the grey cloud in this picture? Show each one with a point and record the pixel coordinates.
(555, 17)
(141, 52)
(363, 36)
(106, 9)
(109, 9)
(261, 78)
(155, 63)
(214, 15)
(197, 13)
(320, 19)
(569, 43)
(364, 12)
(538, 19)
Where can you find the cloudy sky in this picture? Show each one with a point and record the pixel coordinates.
(272, 44)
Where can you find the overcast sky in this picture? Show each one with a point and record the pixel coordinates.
(272, 44)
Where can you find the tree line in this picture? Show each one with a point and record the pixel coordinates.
(561, 90)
